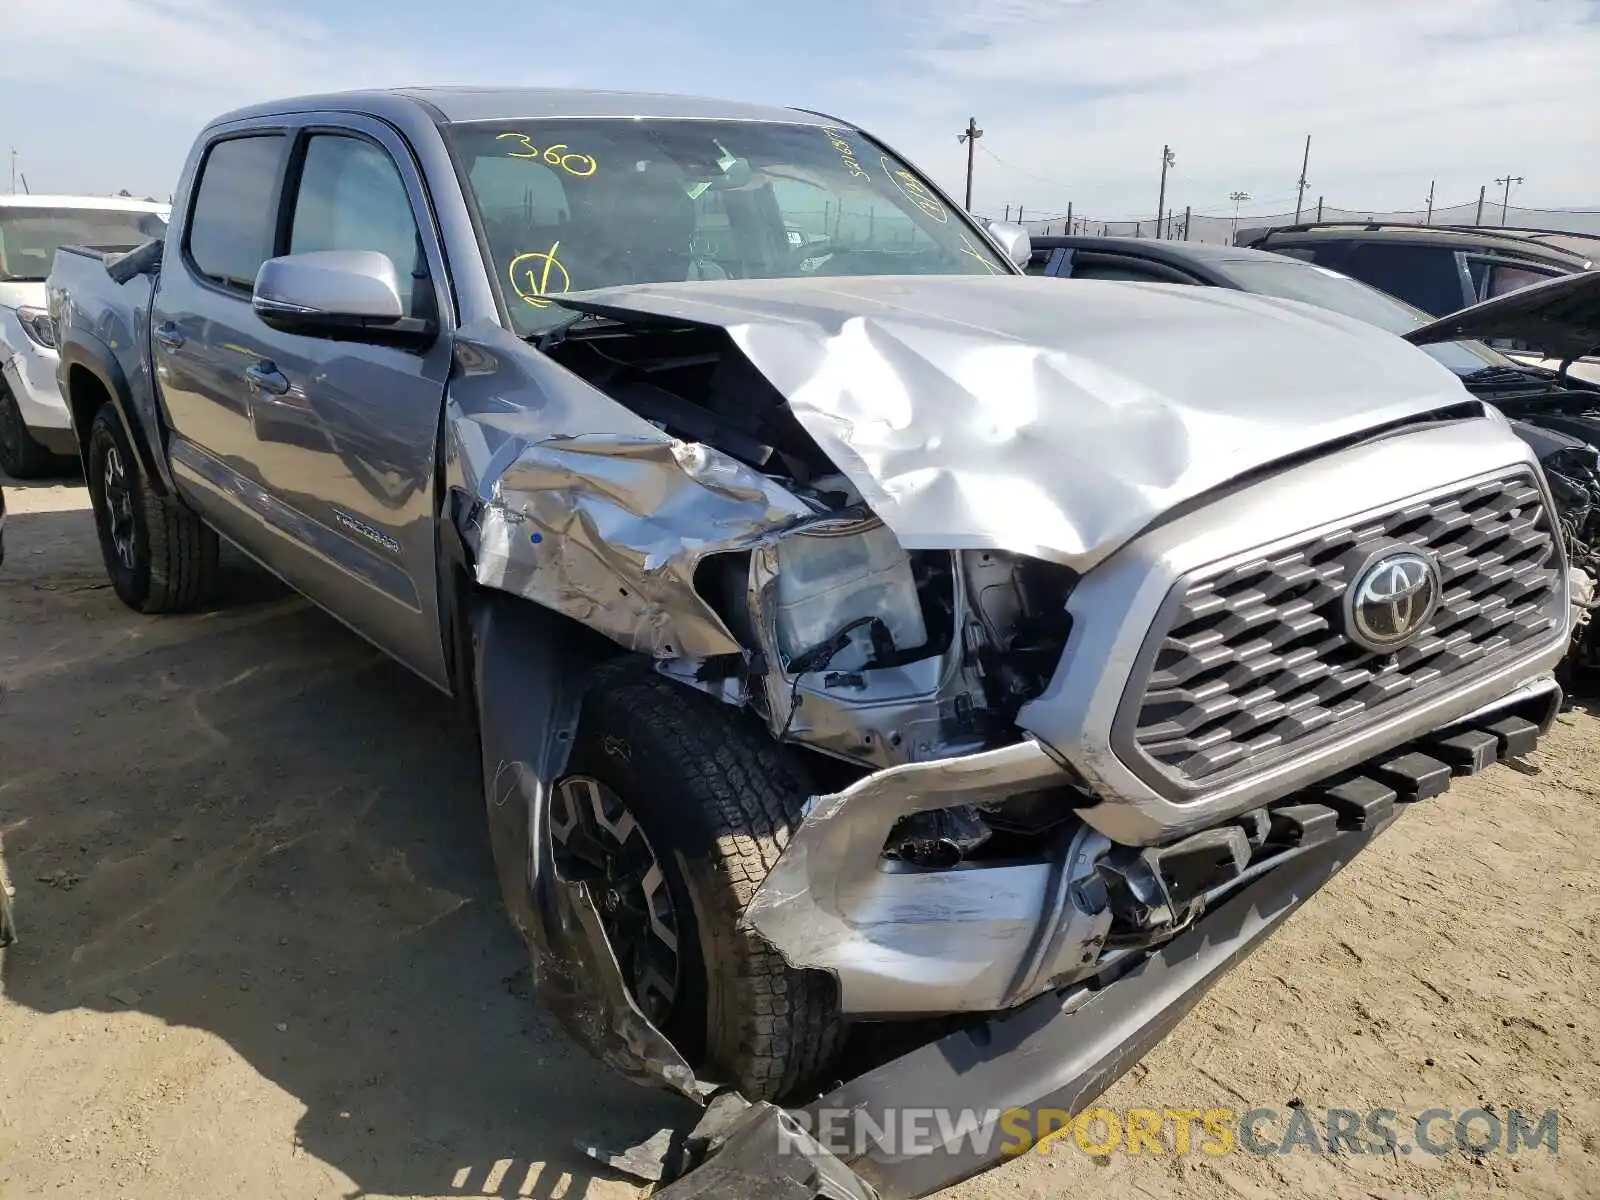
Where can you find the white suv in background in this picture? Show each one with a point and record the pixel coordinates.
(34, 425)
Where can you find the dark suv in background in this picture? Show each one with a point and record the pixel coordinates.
(1437, 268)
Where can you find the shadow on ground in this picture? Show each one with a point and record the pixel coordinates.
(249, 822)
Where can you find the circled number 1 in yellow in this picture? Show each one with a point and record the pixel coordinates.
(538, 275)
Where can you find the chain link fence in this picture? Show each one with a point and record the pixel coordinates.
(1220, 229)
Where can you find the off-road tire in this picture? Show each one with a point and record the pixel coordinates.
(174, 553)
(717, 797)
(21, 456)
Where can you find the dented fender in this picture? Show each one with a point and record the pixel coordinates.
(530, 671)
(584, 508)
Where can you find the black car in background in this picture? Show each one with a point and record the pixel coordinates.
(1437, 268)
(1557, 414)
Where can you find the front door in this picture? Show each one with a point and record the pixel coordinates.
(345, 431)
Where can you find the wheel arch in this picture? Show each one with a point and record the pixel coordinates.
(91, 378)
(529, 668)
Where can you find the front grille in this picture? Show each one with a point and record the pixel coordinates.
(1255, 659)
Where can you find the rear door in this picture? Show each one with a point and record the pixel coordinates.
(345, 431)
(203, 331)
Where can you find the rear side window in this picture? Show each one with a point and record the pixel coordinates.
(231, 224)
(1513, 277)
(1425, 276)
(351, 197)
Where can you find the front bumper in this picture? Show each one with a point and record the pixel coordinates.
(987, 938)
(1063, 1049)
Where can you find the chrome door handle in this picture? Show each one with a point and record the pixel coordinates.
(265, 377)
(168, 336)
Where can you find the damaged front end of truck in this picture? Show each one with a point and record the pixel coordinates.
(1066, 631)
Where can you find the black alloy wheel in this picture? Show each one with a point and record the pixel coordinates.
(599, 842)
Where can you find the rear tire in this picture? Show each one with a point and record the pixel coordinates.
(160, 556)
(21, 456)
(716, 798)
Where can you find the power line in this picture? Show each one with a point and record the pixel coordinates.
(1055, 183)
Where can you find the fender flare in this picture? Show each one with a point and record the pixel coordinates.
(530, 665)
(84, 350)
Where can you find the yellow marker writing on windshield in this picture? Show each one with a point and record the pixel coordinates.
(529, 150)
(972, 251)
(533, 273)
(846, 152)
(559, 155)
(914, 190)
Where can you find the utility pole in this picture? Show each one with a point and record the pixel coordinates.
(1069, 218)
(1319, 208)
(1238, 198)
(1429, 220)
(1482, 188)
(1019, 214)
(970, 137)
(1168, 159)
(1008, 212)
(1186, 212)
(1505, 207)
(1304, 163)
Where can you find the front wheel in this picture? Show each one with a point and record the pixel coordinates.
(674, 809)
(160, 556)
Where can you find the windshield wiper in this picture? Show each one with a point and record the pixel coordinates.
(553, 337)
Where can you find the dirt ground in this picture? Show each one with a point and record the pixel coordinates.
(263, 955)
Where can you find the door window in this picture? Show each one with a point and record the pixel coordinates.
(1425, 276)
(351, 197)
(1120, 271)
(230, 227)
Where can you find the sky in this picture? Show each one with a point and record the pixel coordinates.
(1076, 98)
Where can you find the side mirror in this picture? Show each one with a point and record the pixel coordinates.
(1014, 240)
(336, 293)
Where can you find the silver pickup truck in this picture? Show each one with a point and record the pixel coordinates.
(870, 646)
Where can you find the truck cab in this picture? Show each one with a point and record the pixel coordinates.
(856, 630)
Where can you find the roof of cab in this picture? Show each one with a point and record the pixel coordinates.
(1158, 249)
(464, 104)
(1546, 244)
(103, 203)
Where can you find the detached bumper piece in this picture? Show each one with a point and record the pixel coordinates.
(759, 1152)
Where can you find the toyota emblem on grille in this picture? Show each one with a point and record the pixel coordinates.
(1391, 599)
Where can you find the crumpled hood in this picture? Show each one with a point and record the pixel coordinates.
(1017, 414)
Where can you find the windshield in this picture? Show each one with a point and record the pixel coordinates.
(588, 203)
(29, 237)
(1312, 284)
